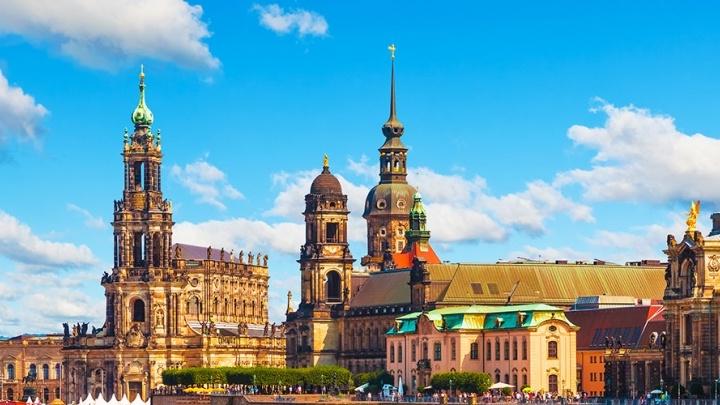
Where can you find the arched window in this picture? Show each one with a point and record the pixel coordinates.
(515, 350)
(58, 371)
(425, 351)
(524, 349)
(552, 350)
(506, 350)
(515, 379)
(553, 383)
(46, 395)
(333, 286)
(474, 351)
(10, 394)
(497, 376)
(488, 351)
(392, 353)
(57, 392)
(413, 351)
(138, 314)
(10, 372)
(400, 353)
(497, 349)
(45, 372)
(33, 371)
(453, 349)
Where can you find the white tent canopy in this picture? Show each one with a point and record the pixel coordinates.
(113, 401)
(500, 385)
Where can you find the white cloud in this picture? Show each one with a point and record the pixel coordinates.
(363, 168)
(275, 18)
(20, 115)
(641, 156)
(242, 233)
(462, 209)
(208, 183)
(103, 33)
(18, 243)
(91, 221)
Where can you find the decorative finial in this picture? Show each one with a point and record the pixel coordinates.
(142, 116)
(692, 216)
(393, 127)
(326, 161)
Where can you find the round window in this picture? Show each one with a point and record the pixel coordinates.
(382, 232)
(194, 282)
(381, 204)
(553, 328)
(401, 204)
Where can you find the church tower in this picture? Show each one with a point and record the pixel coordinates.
(326, 271)
(142, 230)
(387, 206)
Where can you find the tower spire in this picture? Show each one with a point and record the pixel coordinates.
(142, 116)
(393, 126)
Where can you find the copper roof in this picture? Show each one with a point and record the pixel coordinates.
(326, 183)
(549, 283)
(383, 289)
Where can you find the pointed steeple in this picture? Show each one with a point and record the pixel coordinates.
(392, 127)
(142, 116)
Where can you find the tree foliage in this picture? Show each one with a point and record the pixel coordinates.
(464, 381)
(329, 376)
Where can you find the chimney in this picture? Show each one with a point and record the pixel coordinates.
(716, 224)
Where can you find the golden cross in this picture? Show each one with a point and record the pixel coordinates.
(326, 160)
(392, 48)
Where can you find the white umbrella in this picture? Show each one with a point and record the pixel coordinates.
(100, 400)
(500, 385)
(124, 400)
(362, 388)
(37, 401)
(137, 400)
(88, 400)
(29, 401)
(401, 391)
(113, 400)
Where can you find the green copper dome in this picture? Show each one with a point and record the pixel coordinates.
(142, 116)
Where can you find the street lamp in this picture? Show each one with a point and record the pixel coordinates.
(322, 384)
(254, 384)
(716, 386)
(450, 393)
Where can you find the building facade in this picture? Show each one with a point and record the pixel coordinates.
(619, 350)
(33, 362)
(344, 311)
(168, 305)
(692, 306)
(521, 345)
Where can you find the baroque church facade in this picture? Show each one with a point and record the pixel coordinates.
(345, 312)
(692, 307)
(168, 305)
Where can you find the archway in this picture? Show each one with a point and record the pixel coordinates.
(333, 286)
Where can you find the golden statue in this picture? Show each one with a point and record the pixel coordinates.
(692, 216)
(392, 48)
(326, 160)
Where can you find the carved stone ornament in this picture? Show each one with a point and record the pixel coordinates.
(135, 338)
(714, 263)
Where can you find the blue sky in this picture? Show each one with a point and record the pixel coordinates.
(536, 129)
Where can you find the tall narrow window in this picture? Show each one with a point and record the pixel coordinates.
(687, 320)
(553, 383)
(425, 351)
(473, 351)
(139, 175)
(497, 349)
(552, 350)
(10, 372)
(506, 350)
(331, 232)
(515, 350)
(139, 249)
(45, 372)
(392, 353)
(524, 349)
(453, 349)
(157, 250)
(333, 286)
(437, 352)
(58, 371)
(488, 351)
(33, 371)
(413, 351)
(400, 353)
(138, 314)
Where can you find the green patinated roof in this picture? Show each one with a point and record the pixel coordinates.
(142, 116)
(480, 317)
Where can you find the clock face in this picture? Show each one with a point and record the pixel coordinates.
(331, 250)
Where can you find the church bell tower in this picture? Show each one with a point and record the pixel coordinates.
(142, 230)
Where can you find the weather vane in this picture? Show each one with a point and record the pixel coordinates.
(392, 48)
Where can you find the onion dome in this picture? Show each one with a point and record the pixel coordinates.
(142, 116)
(325, 182)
